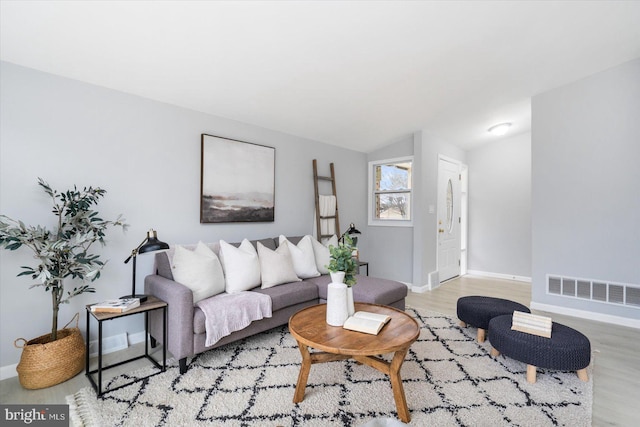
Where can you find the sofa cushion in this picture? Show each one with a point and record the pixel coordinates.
(199, 270)
(321, 253)
(162, 266)
(290, 294)
(283, 296)
(293, 239)
(367, 289)
(276, 267)
(164, 259)
(268, 242)
(302, 255)
(241, 266)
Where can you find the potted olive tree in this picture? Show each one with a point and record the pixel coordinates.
(60, 254)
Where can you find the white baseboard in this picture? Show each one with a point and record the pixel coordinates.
(136, 338)
(8, 371)
(434, 280)
(433, 283)
(109, 345)
(590, 315)
(420, 289)
(499, 276)
(116, 343)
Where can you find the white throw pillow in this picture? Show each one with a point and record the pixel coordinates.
(276, 267)
(199, 270)
(241, 266)
(304, 260)
(321, 253)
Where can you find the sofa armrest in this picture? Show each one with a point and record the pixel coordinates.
(179, 314)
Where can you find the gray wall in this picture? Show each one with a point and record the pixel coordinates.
(147, 156)
(391, 248)
(427, 148)
(409, 254)
(586, 184)
(499, 238)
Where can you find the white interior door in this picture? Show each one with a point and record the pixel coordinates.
(448, 219)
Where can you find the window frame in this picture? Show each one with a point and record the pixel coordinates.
(372, 192)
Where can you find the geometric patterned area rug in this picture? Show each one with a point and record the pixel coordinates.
(449, 380)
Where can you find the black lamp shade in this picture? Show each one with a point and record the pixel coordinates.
(353, 230)
(152, 245)
(350, 231)
(149, 244)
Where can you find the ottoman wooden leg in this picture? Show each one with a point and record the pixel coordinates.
(463, 324)
(531, 374)
(582, 374)
(481, 335)
(494, 352)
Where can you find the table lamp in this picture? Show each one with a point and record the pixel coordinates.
(149, 244)
(350, 231)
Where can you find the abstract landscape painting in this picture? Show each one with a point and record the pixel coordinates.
(237, 181)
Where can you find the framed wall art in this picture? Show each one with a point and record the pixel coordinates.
(237, 181)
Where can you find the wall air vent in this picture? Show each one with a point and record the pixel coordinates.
(555, 285)
(599, 291)
(594, 290)
(584, 289)
(633, 296)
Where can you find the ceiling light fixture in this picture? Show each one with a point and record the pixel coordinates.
(499, 129)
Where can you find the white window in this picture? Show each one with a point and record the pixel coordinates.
(390, 192)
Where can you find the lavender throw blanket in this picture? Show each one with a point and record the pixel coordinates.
(227, 313)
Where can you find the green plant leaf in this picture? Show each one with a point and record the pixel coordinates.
(63, 252)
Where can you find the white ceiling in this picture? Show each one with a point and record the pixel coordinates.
(358, 74)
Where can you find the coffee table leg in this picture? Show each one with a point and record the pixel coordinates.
(304, 373)
(396, 385)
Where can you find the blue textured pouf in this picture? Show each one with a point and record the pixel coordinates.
(566, 350)
(478, 311)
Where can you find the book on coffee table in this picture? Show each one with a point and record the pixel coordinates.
(119, 305)
(364, 321)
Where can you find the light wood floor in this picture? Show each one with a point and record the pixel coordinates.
(616, 373)
(12, 392)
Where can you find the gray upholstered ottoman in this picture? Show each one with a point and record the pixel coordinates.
(566, 350)
(478, 311)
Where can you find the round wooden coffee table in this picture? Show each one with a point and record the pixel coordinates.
(310, 329)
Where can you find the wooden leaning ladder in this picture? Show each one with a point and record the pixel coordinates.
(319, 218)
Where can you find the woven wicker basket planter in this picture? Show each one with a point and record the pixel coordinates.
(44, 364)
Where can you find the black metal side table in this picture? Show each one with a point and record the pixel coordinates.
(152, 303)
(364, 264)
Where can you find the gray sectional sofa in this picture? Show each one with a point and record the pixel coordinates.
(186, 324)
